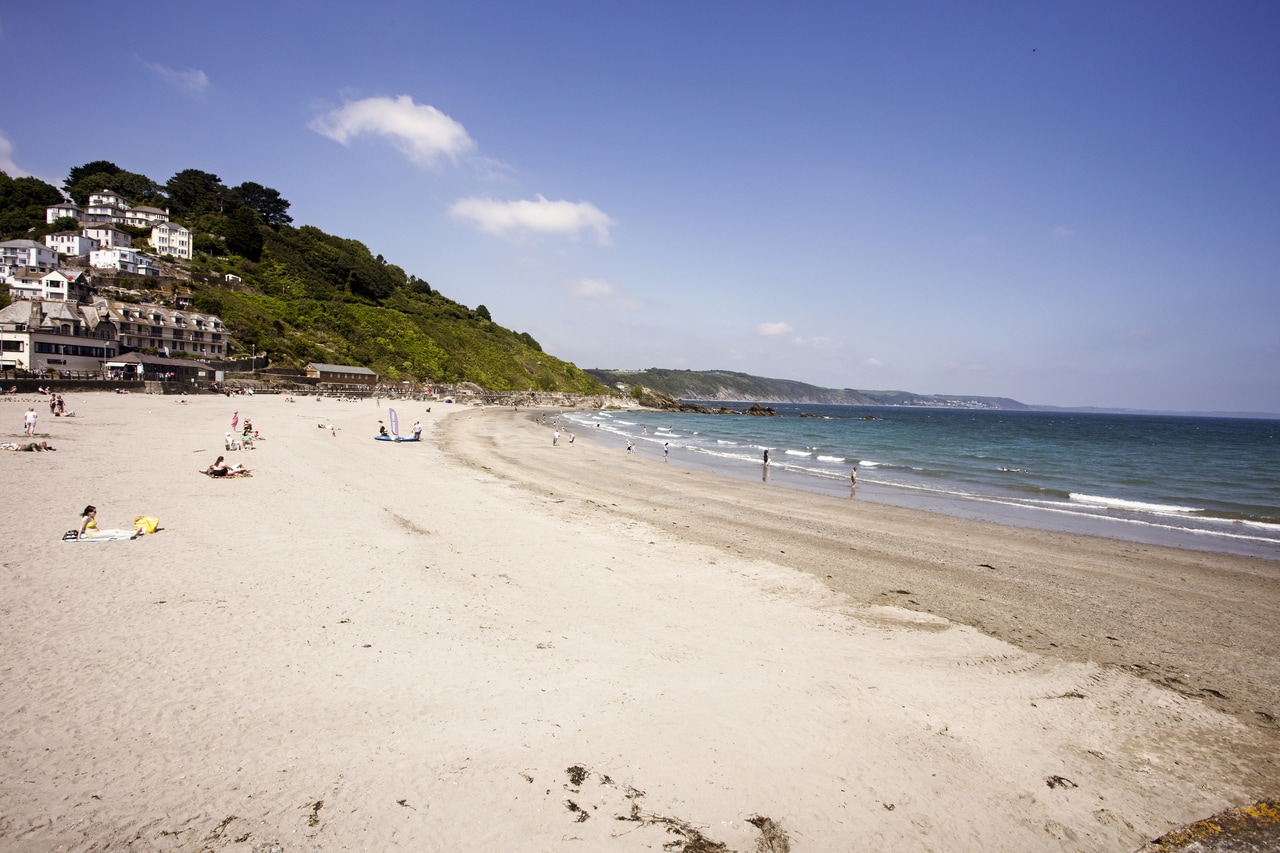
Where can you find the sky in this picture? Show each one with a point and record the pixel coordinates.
(1071, 204)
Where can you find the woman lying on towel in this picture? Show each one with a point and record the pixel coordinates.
(89, 527)
(221, 469)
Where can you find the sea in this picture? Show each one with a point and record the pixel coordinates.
(1205, 483)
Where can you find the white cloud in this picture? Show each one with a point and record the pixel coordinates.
(420, 131)
(773, 330)
(591, 288)
(597, 292)
(560, 218)
(6, 159)
(818, 343)
(872, 362)
(1062, 232)
(190, 80)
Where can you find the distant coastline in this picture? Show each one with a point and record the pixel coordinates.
(723, 386)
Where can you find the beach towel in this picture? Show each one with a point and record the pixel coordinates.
(146, 524)
(74, 536)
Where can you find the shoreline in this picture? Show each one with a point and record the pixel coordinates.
(481, 641)
(1190, 532)
(998, 570)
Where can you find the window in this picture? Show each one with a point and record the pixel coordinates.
(12, 346)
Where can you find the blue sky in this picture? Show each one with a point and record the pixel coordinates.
(1070, 204)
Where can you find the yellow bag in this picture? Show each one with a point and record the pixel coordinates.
(146, 523)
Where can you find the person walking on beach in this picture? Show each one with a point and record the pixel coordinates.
(630, 445)
(666, 450)
(29, 421)
(853, 477)
(766, 456)
(555, 437)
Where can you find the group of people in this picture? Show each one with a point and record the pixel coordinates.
(248, 435)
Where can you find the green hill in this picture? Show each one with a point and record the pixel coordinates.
(302, 295)
(724, 385)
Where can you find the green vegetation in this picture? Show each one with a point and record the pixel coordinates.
(305, 295)
(727, 385)
(741, 387)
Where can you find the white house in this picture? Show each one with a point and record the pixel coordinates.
(170, 238)
(105, 206)
(148, 265)
(38, 335)
(108, 236)
(143, 216)
(107, 198)
(32, 283)
(71, 243)
(15, 254)
(54, 212)
(125, 260)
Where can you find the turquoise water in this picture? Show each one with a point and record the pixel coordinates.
(1206, 483)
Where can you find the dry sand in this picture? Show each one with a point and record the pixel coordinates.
(484, 642)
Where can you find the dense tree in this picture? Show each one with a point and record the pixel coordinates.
(193, 192)
(270, 207)
(100, 175)
(483, 312)
(208, 244)
(22, 204)
(138, 189)
(243, 235)
(96, 167)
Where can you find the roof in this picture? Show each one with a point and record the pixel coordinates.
(340, 368)
(158, 361)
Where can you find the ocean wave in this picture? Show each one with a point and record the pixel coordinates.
(1131, 506)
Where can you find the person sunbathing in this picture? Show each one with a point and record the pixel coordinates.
(221, 469)
(89, 526)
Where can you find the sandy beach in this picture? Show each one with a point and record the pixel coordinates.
(486, 642)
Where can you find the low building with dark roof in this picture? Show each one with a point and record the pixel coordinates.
(341, 374)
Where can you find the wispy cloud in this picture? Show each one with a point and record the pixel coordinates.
(872, 362)
(7, 165)
(590, 288)
(1062, 232)
(420, 131)
(818, 343)
(773, 330)
(191, 80)
(597, 292)
(556, 218)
